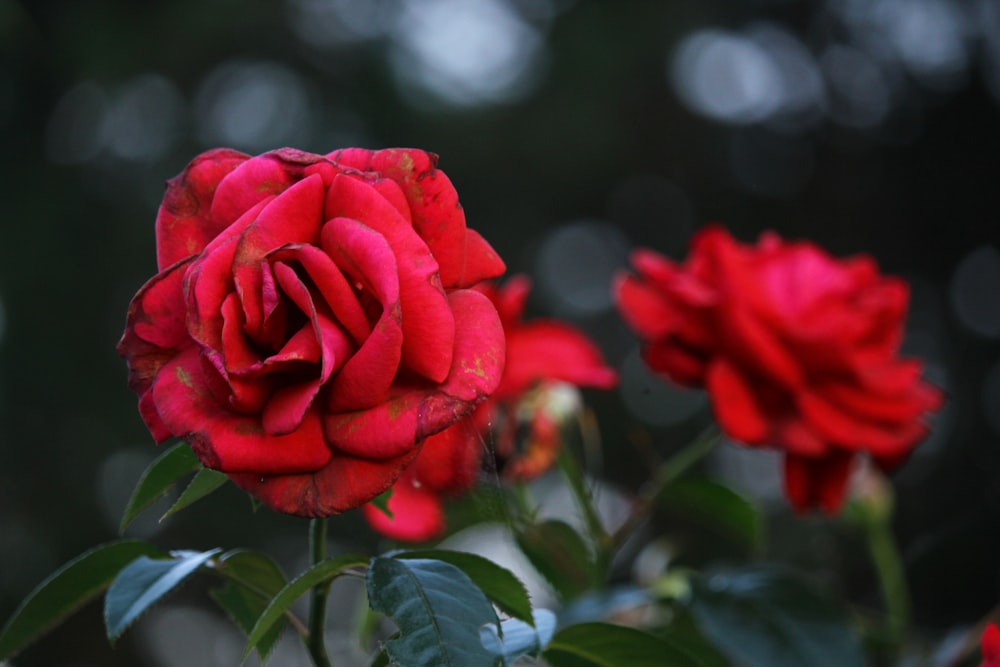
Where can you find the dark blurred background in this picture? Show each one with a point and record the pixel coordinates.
(573, 131)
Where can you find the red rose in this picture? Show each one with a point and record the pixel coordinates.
(310, 325)
(797, 350)
(540, 354)
(990, 646)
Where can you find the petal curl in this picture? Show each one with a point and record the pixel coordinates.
(294, 216)
(367, 258)
(415, 412)
(465, 257)
(155, 326)
(428, 325)
(222, 439)
(184, 223)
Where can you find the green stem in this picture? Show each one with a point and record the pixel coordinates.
(574, 476)
(669, 472)
(522, 501)
(891, 575)
(681, 462)
(317, 602)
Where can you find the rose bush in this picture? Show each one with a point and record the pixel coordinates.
(311, 322)
(541, 354)
(797, 350)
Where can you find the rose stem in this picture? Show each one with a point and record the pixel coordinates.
(317, 603)
(668, 473)
(891, 575)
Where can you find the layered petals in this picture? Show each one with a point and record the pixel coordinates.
(797, 350)
(300, 336)
(185, 224)
(543, 359)
(465, 258)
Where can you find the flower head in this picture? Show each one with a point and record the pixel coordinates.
(797, 350)
(311, 322)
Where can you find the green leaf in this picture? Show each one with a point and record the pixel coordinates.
(684, 634)
(766, 617)
(718, 505)
(204, 482)
(560, 555)
(143, 582)
(244, 607)
(254, 579)
(66, 590)
(518, 638)
(381, 501)
(320, 573)
(161, 476)
(438, 610)
(607, 645)
(254, 570)
(498, 583)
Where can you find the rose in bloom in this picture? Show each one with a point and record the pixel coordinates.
(544, 358)
(311, 322)
(798, 351)
(990, 645)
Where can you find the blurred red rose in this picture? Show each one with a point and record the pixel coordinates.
(311, 324)
(798, 351)
(544, 358)
(990, 646)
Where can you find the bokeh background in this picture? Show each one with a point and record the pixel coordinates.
(574, 131)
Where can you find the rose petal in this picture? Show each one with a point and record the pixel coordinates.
(209, 282)
(645, 309)
(294, 216)
(336, 291)
(225, 440)
(681, 365)
(184, 224)
(449, 461)
(735, 403)
(260, 177)
(149, 414)
(412, 414)
(797, 438)
(758, 347)
(510, 299)
(464, 259)
(365, 378)
(344, 483)
(155, 326)
(855, 433)
(550, 350)
(822, 482)
(428, 325)
(417, 514)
